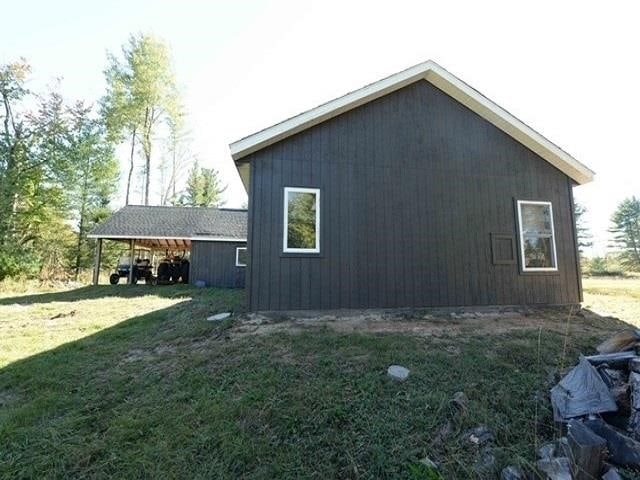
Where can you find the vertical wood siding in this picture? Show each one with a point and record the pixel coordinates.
(215, 263)
(413, 185)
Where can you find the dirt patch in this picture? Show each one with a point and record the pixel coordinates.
(138, 355)
(135, 355)
(435, 325)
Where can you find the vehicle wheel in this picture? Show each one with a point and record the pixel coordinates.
(114, 278)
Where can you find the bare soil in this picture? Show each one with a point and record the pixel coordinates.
(436, 324)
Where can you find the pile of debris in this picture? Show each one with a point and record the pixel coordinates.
(597, 404)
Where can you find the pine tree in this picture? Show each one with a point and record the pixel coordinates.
(33, 170)
(94, 179)
(626, 231)
(582, 230)
(204, 188)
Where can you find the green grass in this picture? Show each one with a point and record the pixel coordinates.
(619, 297)
(137, 385)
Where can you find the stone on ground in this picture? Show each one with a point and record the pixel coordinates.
(612, 474)
(398, 372)
(461, 401)
(512, 473)
(219, 316)
(547, 451)
(557, 468)
(479, 436)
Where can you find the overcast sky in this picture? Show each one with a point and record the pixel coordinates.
(570, 70)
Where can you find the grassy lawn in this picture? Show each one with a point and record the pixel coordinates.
(136, 384)
(615, 297)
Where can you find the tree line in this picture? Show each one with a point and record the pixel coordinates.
(624, 247)
(59, 165)
(60, 168)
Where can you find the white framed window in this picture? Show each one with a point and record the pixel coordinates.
(301, 220)
(537, 237)
(241, 256)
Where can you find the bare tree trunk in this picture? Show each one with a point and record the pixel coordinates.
(81, 224)
(79, 245)
(147, 179)
(133, 148)
(173, 173)
(146, 144)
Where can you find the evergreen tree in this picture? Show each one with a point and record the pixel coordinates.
(204, 188)
(56, 167)
(33, 169)
(94, 179)
(582, 230)
(626, 231)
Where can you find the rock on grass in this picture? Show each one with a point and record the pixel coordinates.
(398, 373)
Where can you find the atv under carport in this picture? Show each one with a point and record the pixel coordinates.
(170, 270)
(142, 270)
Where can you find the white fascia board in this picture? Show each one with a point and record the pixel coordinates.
(445, 81)
(244, 170)
(151, 237)
(218, 239)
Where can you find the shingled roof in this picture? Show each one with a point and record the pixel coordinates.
(174, 223)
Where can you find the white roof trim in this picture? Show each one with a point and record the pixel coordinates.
(151, 237)
(450, 84)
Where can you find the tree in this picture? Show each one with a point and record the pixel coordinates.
(176, 157)
(94, 179)
(121, 113)
(582, 230)
(33, 167)
(141, 95)
(15, 146)
(626, 231)
(204, 188)
(56, 167)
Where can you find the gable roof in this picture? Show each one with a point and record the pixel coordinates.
(175, 223)
(445, 81)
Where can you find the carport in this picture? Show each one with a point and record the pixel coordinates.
(214, 236)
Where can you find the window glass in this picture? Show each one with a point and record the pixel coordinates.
(537, 252)
(241, 257)
(301, 221)
(537, 236)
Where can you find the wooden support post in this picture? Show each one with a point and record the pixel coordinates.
(623, 451)
(634, 419)
(587, 451)
(97, 260)
(131, 253)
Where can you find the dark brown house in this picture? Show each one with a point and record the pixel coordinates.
(413, 191)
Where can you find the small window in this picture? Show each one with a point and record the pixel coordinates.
(241, 256)
(301, 220)
(537, 237)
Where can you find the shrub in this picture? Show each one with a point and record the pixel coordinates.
(607, 266)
